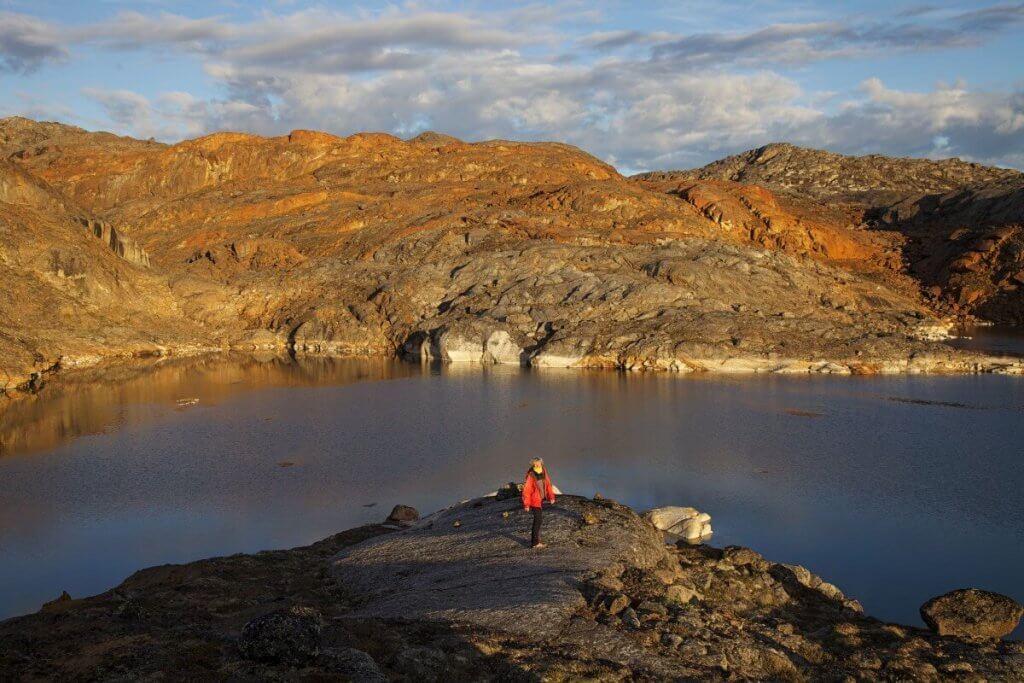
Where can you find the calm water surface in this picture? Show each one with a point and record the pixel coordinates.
(994, 340)
(896, 489)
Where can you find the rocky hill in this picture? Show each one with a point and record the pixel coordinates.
(956, 226)
(874, 179)
(494, 251)
(458, 596)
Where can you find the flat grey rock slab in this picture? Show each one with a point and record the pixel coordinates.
(482, 571)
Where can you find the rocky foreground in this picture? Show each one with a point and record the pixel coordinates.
(459, 596)
(780, 260)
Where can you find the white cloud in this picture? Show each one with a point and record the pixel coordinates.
(918, 30)
(133, 30)
(640, 100)
(976, 125)
(26, 43)
(124, 107)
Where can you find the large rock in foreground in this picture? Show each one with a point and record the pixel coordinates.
(291, 636)
(459, 597)
(972, 613)
(472, 564)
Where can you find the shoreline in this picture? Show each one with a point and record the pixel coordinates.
(952, 362)
(441, 597)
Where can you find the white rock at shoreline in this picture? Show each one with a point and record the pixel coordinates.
(687, 522)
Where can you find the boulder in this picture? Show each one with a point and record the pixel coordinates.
(403, 514)
(630, 618)
(62, 598)
(615, 603)
(681, 521)
(694, 529)
(466, 343)
(288, 636)
(972, 613)
(739, 556)
(682, 594)
(510, 490)
(665, 518)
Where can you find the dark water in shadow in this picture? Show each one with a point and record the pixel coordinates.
(1008, 341)
(896, 489)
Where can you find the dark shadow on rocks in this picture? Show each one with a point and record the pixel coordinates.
(186, 622)
(427, 651)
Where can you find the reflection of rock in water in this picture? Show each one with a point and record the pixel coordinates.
(89, 401)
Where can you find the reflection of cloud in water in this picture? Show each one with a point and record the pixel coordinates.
(869, 494)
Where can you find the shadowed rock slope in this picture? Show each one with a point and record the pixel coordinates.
(459, 597)
(494, 251)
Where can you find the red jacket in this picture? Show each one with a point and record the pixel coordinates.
(531, 493)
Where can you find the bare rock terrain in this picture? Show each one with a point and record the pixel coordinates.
(958, 227)
(497, 251)
(458, 596)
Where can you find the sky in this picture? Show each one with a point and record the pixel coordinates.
(642, 85)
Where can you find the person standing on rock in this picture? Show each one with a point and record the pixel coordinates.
(536, 489)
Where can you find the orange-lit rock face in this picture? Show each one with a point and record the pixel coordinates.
(495, 250)
(956, 225)
(758, 215)
(73, 289)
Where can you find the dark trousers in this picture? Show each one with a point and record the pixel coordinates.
(537, 519)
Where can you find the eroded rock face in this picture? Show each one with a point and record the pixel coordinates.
(972, 613)
(75, 288)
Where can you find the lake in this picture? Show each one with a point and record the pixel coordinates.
(896, 489)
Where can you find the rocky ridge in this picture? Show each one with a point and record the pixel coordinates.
(529, 253)
(873, 180)
(458, 596)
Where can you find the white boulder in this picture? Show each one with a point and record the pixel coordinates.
(686, 522)
(500, 349)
